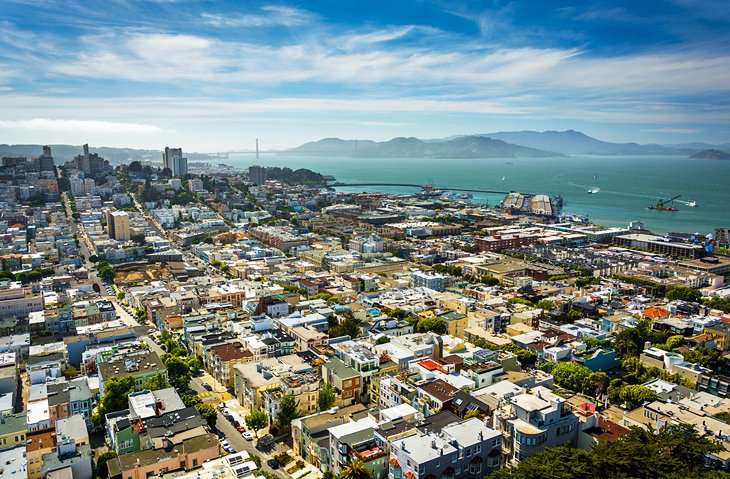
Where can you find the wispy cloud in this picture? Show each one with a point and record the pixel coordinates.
(92, 126)
(270, 16)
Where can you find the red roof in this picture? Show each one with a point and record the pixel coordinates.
(655, 312)
(430, 364)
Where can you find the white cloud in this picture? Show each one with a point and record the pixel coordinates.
(273, 15)
(91, 126)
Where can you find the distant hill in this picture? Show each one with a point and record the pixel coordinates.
(712, 154)
(462, 147)
(571, 142)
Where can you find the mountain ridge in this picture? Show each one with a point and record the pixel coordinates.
(404, 147)
(572, 142)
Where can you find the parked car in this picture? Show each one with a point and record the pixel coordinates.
(265, 442)
(240, 428)
(207, 387)
(273, 463)
(247, 436)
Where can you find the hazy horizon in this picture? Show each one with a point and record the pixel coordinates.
(214, 76)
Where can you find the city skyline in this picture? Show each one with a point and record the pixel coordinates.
(212, 77)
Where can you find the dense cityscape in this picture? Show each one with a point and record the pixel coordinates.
(166, 318)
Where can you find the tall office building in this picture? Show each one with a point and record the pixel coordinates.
(179, 166)
(45, 161)
(257, 174)
(172, 158)
(117, 225)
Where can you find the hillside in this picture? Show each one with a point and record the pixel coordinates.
(462, 147)
(712, 154)
(571, 142)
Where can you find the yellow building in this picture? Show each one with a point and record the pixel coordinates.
(39, 443)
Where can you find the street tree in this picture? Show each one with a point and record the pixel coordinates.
(257, 420)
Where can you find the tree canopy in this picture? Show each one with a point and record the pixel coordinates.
(289, 410)
(115, 398)
(327, 397)
(156, 382)
(257, 420)
(676, 452)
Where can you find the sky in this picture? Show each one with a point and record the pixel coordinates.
(213, 76)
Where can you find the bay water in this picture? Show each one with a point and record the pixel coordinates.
(627, 185)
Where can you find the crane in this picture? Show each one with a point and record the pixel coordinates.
(663, 205)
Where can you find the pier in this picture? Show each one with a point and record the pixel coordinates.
(428, 187)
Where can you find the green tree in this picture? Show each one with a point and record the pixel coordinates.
(674, 452)
(709, 358)
(194, 363)
(356, 470)
(637, 394)
(683, 294)
(105, 271)
(115, 398)
(596, 384)
(675, 342)
(717, 302)
(571, 376)
(288, 410)
(546, 305)
(327, 397)
(178, 371)
(208, 413)
(191, 400)
(156, 382)
(346, 327)
(432, 325)
(257, 420)
(101, 467)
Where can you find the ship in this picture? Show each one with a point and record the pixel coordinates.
(593, 191)
(692, 204)
(665, 205)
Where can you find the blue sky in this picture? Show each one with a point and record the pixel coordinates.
(212, 76)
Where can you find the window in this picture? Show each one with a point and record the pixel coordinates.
(478, 449)
(195, 462)
(468, 451)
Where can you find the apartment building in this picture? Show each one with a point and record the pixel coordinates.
(532, 421)
(466, 449)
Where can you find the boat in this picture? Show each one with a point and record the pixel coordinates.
(692, 204)
(665, 205)
(593, 191)
(503, 178)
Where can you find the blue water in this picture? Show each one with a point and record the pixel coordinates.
(627, 184)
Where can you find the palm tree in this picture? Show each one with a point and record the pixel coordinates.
(356, 470)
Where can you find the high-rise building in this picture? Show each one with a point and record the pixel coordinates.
(179, 166)
(117, 225)
(257, 174)
(173, 159)
(45, 161)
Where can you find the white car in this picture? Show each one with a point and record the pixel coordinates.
(247, 436)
